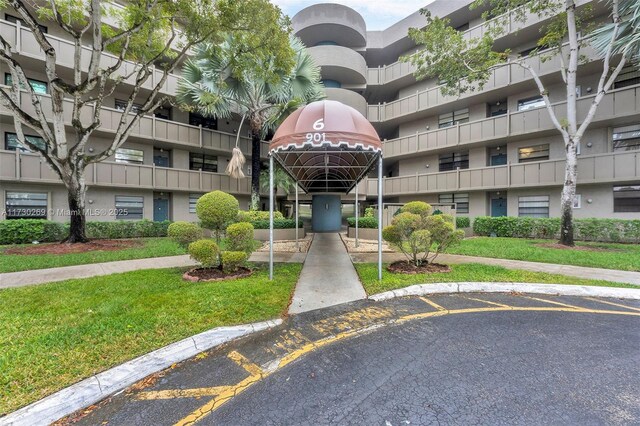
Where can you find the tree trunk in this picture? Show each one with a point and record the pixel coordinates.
(568, 194)
(77, 193)
(255, 170)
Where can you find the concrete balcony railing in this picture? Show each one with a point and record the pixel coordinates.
(348, 97)
(340, 63)
(25, 44)
(616, 104)
(600, 168)
(150, 128)
(16, 166)
(503, 76)
(328, 21)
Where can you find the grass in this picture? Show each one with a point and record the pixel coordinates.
(153, 247)
(368, 273)
(54, 335)
(625, 257)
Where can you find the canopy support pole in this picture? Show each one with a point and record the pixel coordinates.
(297, 219)
(356, 211)
(271, 217)
(380, 217)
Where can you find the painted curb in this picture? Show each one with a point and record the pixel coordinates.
(504, 287)
(97, 387)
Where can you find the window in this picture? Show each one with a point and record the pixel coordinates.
(131, 156)
(628, 76)
(204, 162)
(533, 153)
(577, 202)
(11, 142)
(530, 103)
(122, 105)
(461, 200)
(15, 20)
(128, 207)
(163, 113)
(626, 138)
(39, 87)
(196, 119)
(626, 199)
(26, 205)
(455, 117)
(534, 206)
(331, 84)
(454, 160)
(497, 108)
(193, 199)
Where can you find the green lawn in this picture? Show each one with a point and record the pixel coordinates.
(54, 335)
(625, 257)
(153, 247)
(465, 272)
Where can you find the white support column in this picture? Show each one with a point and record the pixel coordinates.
(380, 217)
(271, 217)
(297, 219)
(356, 211)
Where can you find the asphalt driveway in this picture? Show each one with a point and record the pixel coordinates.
(448, 359)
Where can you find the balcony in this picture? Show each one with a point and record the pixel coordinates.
(594, 169)
(616, 104)
(22, 167)
(25, 44)
(340, 63)
(321, 22)
(348, 97)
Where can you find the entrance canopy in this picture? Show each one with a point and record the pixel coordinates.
(326, 146)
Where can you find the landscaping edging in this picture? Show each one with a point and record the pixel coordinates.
(278, 234)
(503, 287)
(363, 233)
(97, 387)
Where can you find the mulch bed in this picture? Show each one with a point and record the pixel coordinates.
(66, 248)
(215, 274)
(577, 248)
(404, 267)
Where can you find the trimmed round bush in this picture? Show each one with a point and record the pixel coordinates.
(240, 237)
(417, 207)
(184, 233)
(233, 260)
(205, 252)
(216, 210)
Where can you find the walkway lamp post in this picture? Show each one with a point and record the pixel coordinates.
(271, 217)
(356, 211)
(380, 217)
(297, 218)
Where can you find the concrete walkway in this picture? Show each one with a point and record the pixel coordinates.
(41, 276)
(551, 268)
(328, 277)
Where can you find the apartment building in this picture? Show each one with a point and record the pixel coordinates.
(493, 151)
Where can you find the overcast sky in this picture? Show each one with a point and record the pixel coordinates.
(378, 14)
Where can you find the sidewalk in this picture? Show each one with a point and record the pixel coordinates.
(551, 268)
(328, 277)
(40, 276)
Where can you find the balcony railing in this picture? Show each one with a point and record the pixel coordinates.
(617, 103)
(600, 168)
(27, 167)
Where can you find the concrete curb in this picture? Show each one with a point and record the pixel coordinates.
(504, 287)
(97, 387)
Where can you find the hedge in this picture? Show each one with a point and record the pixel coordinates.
(593, 229)
(463, 222)
(24, 231)
(277, 224)
(253, 215)
(365, 222)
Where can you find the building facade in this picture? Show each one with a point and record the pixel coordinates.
(492, 152)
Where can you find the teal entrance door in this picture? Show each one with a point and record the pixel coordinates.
(498, 207)
(326, 214)
(160, 209)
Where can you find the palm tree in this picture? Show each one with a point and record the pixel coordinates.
(623, 35)
(281, 180)
(215, 85)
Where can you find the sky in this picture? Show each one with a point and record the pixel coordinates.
(378, 14)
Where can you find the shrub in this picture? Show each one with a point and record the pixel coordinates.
(216, 210)
(463, 222)
(420, 236)
(184, 233)
(233, 260)
(367, 222)
(24, 231)
(127, 229)
(205, 252)
(277, 224)
(593, 229)
(240, 237)
(369, 212)
(253, 215)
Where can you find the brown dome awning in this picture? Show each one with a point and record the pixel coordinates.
(326, 146)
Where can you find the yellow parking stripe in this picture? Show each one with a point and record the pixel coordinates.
(181, 393)
(432, 303)
(243, 362)
(614, 304)
(502, 305)
(577, 308)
